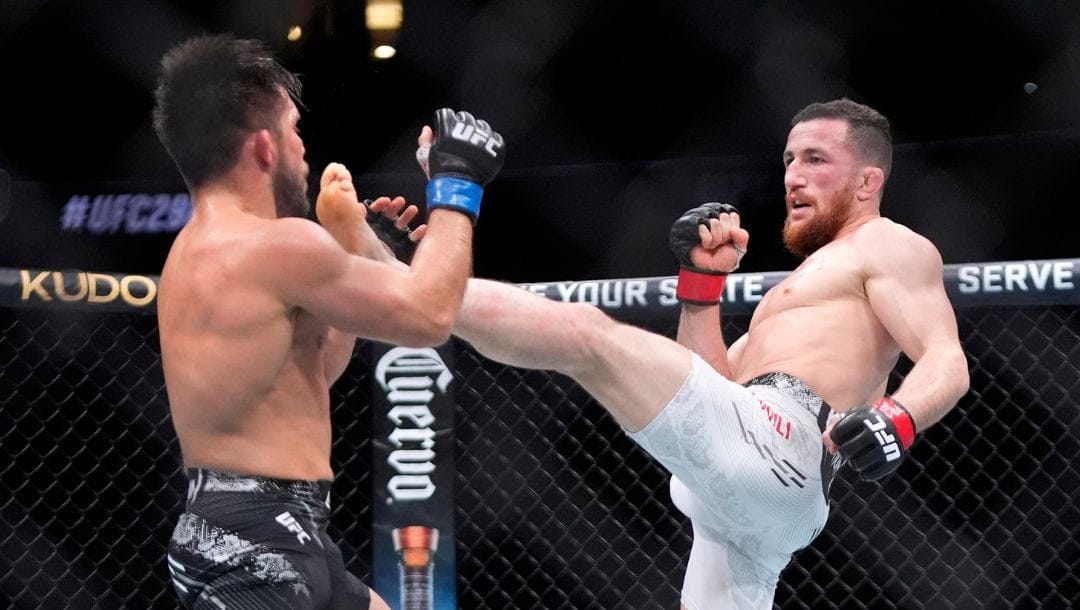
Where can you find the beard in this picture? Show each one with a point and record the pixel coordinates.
(806, 238)
(290, 194)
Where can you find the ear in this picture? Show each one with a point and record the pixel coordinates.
(265, 152)
(871, 179)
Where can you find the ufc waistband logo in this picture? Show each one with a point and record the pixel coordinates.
(886, 440)
(472, 135)
(292, 525)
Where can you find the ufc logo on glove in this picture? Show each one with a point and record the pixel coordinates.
(874, 438)
(472, 135)
(886, 440)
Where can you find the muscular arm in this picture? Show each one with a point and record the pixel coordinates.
(700, 331)
(339, 212)
(907, 293)
(410, 306)
(340, 345)
(415, 305)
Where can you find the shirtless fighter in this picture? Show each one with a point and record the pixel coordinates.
(259, 310)
(823, 341)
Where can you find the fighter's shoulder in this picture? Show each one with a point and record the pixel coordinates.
(293, 237)
(890, 246)
(886, 236)
(289, 250)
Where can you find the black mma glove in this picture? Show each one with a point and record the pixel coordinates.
(873, 439)
(464, 157)
(696, 286)
(397, 239)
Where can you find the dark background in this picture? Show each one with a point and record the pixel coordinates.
(618, 115)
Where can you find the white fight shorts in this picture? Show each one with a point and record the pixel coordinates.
(751, 472)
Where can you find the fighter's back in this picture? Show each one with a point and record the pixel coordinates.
(244, 371)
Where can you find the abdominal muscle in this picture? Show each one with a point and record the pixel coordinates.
(837, 347)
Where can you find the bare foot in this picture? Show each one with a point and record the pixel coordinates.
(337, 207)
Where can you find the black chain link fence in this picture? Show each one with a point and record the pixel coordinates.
(556, 508)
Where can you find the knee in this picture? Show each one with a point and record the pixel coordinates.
(588, 322)
(591, 330)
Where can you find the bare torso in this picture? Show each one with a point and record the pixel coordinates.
(246, 374)
(817, 324)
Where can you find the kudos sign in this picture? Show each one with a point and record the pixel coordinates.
(93, 288)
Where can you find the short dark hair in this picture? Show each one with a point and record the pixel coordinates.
(213, 90)
(868, 129)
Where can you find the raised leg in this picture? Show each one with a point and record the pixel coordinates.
(633, 373)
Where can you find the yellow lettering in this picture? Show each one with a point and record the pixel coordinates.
(34, 285)
(131, 299)
(58, 287)
(110, 281)
(134, 290)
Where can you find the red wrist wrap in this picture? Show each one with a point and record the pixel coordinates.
(905, 425)
(700, 287)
